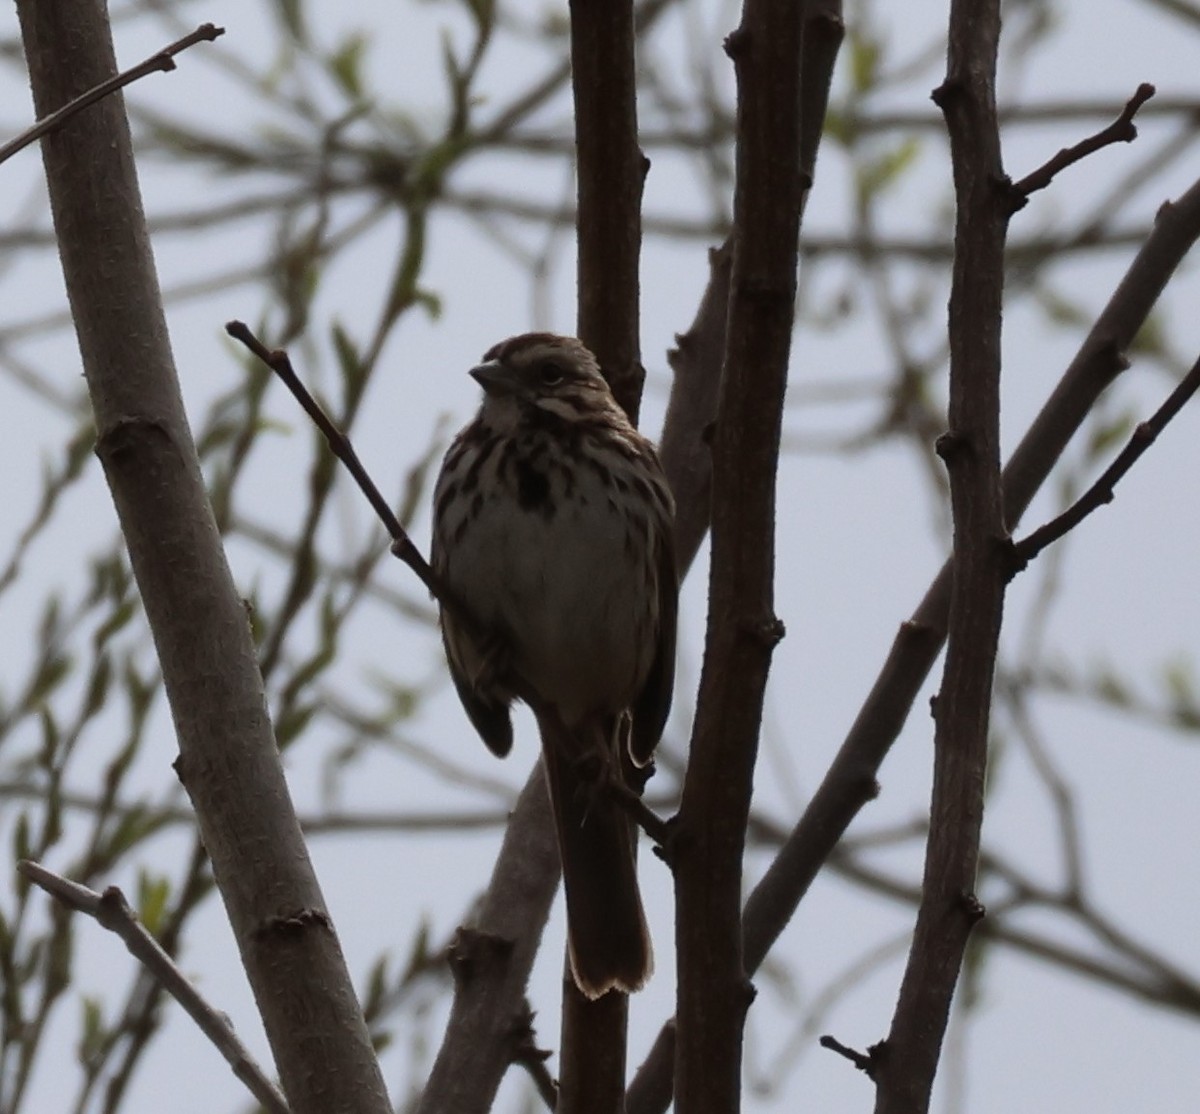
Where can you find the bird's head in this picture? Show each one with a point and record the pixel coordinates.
(541, 376)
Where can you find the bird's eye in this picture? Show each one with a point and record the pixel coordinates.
(550, 375)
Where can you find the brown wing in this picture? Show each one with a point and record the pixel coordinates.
(490, 717)
(653, 703)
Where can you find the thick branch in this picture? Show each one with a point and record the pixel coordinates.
(609, 169)
(742, 627)
(686, 443)
(905, 1067)
(492, 959)
(228, 758)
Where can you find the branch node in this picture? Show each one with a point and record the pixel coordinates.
(769, 632)
(973, 907)
(666, 849)
(1012, 560)
(291, 925)
(952, 446)
(737, 44)
(473, 950)
(947, 92)
(867, 1062)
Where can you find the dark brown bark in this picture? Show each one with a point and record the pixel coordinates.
(609, 173)
(906, 1065)
(742, 629)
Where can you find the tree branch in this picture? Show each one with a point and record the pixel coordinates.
(112, 911)
(610, 168)
(686, 443)
(742, 630)
(1103, 490)
(1121, 130)
(492, 959)
(850, 782)
(906, 1065)
(228, 758)
(162, 62)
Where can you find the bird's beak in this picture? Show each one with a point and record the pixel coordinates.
(495, 378)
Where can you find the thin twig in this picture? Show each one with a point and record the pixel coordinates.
(112, 911)
(402, 545)
(1121, 130)
(162, 62)
(1103, 490)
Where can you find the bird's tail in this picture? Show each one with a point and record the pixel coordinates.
(608, 941)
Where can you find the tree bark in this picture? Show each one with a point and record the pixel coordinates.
(227, 755)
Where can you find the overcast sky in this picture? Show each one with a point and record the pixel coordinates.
(859, 538)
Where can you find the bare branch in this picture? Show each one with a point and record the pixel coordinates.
(162, 62)
(971, 450)
(713, 990)
(1121, 130)
(402, 546)
(610, 169)
(112, 911)
(1103, 490)
(228, 760)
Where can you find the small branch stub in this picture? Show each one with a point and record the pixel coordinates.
(866, 1062)
(472, 951)
(951, 446)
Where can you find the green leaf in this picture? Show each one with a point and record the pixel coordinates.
(1150, 339)
(1108, 432)
(376, 988)
(51, 737)
(152, 895)
(93, 1033)
(1180, 681)
(291, 724)
(345, 64)
(1110, 688)
(483, 12)
(98, 684)
(1061, 310)
(138, 691)
(880, 172)
(52, 671)
(865, 56)
(290, 14)
(430, 302)
(22, 849)
(122, 613)
(133, 826)
(348, 357)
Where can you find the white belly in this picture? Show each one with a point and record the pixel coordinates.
(565, 590)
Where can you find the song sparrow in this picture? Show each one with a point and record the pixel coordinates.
(552, 529)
